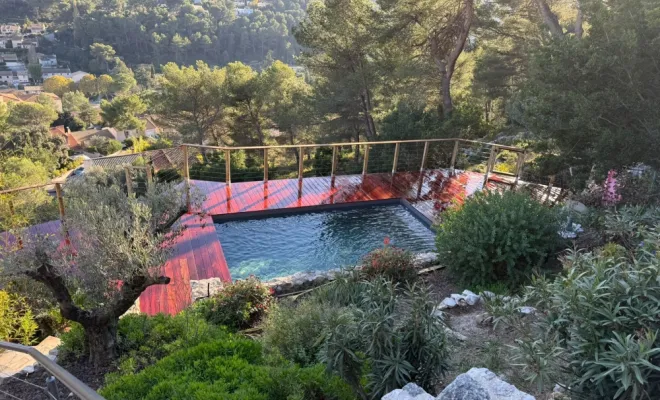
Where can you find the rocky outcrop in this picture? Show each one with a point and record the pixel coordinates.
(476, 384)
(203, 288)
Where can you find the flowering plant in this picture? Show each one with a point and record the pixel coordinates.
(391, 262)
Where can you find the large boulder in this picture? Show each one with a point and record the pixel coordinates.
(481, 384)
(409, 392)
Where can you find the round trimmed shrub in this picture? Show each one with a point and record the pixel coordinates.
(497, 237)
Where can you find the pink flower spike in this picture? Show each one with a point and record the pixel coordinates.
(386, 240)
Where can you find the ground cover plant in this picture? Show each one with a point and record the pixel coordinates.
(376, 334)
(497, 237)
(596, 329)
(230, 367)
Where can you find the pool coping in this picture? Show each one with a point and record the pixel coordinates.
(280, 212)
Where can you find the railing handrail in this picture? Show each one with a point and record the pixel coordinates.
(74, 384)
(311, 145)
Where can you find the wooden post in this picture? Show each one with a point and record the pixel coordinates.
(365, 165)
(265, 165)
(424, 155)
(454, 154)
(228, 167)
(396, 157)
(129, 181)
(301, 160)
(186, 175)
(60, 199)
(334, 161)
(519, 166)
(490, 163)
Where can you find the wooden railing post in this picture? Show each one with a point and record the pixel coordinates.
(396, 157)
(228, 167)
(424, 155)
(334, 161)
(60, 199)
(301, 160)
(490, 164)
(519, 166)
(186, 176)
(265, 165)
(454, 154)
(365, 165)
(129, 181)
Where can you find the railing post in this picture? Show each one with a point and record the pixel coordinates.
(51, 386)
(334, 161)
(129, 181)
(228, 166)
(490, 164)
(186, 175)
(424, 155)
(396, 157)
(301, 160)
(60, 199)
(265, 165)
(519, 166)
(365, 165)
(454, 154)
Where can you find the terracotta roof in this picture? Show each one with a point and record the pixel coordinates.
(58, 130)
(160, 159)
(9, 97)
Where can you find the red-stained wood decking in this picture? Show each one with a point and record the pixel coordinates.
(198, 253)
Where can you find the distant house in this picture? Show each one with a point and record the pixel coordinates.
(9, 57)
(22, 76)
(80, 140)
(34, 90)
(37, 28)
(244, 11)
(59, 130)
(3, 42)
(7, 77)
(26, 43)
(9, 29)
(47, 60)
(78, 75)
(50, 72)
(151, 130)
(20, 96)
(159, 159)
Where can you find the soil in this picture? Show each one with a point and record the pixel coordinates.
(485, 347)
(31, 386)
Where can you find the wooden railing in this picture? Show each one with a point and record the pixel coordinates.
(366, 150)
(400, 156)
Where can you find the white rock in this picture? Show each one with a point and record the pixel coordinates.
(467, 293)
(558, 389)
(457, 297)
(202, 288)
(409, 392)
(455, 335)
(448, 302)
(422, 260)
(576, 206)
(472, 299)
(487, 294)
(527, 310)
(481, 384)
(28, 370)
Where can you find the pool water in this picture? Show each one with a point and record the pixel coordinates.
(283, 245)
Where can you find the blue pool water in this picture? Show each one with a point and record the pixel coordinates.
(283, 245)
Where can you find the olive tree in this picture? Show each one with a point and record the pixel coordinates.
(115, 248)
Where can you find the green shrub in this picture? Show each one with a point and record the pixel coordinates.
(497, 237)
(374, 334)
(596, 328)
(390, 262)
(142, 340)
(227, 368)
(238, 305)
(16, 319)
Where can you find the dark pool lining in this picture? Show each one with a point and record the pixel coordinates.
(282, 212)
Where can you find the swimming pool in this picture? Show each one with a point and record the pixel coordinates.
(282, 245)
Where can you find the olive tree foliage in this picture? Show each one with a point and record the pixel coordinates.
(596, 328)
(115, 248)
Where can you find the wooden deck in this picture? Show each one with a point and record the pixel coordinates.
(198, 253)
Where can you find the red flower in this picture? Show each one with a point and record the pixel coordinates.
(271, 290)
(386, 240)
